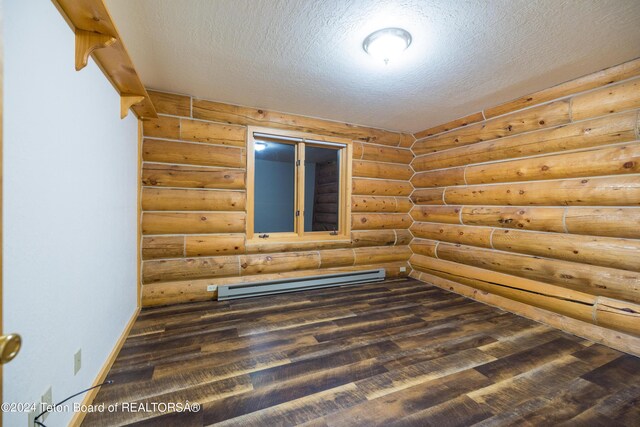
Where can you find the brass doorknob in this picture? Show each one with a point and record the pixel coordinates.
(9, 347)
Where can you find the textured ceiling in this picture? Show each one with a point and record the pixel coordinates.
(305, 56)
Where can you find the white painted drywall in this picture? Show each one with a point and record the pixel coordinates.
(69, 210)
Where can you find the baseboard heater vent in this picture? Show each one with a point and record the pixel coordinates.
(280, 286)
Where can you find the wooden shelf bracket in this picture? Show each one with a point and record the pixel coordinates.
(128, 101)
(96, 35)
(87, 42)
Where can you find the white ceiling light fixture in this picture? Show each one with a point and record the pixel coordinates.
(387, 43)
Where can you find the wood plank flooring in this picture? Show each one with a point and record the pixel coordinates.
(397, 353)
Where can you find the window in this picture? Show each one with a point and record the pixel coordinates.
(298, 186)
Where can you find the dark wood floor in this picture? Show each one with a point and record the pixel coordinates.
(393, 353)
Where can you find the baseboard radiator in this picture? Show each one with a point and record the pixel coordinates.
(248, 290)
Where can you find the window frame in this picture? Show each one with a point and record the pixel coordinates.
(299, 234)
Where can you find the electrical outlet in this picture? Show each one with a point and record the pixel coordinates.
(403, 269)
(77, 361)
(212, 288)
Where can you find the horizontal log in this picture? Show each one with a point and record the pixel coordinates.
(337, 258)
(615, 339)
(453, 233)
(366, 169)
(617, 160)
(454, 124)
(613, 222)
(326, 225)
(424, 247)
(192, 222)
(380, 204)
(428, 196)
(214, 133)
(591, 81)
(596, 280)
(608, 191)
(389, 221)
(593, 250)
(189, 268)
(360, 238)
(575, 304)
(615, 314)
(502, 279)
(162, 247)
(377, 255)
(326, 197)
(441, 214)
(225, 113)
(326, 218)
(608, 100)
(256, 247)
(169, 103)
(326, 177)
(214, 245)
(154, 150)
(278, 262)
(380, 187)
(161, 175)
(379, 153)
(525, 218)
(620, 315)
(326, 208)
(178, 199)
(605, 251)
(157, 294)
(328, 188)
(327, 172)
(439, 178)
(590, 133)
(544, 116)
(161, 127)
(403, 237)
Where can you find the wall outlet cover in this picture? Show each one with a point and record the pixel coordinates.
(77, 361)
(47, 402)
(47, 397)
(212, 288)
(403, 269)
(31, 422)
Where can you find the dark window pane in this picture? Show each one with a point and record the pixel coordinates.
(322, 189)
(275, 177)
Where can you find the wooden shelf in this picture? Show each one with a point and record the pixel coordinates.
(96, 35)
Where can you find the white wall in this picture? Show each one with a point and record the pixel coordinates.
(69, 210)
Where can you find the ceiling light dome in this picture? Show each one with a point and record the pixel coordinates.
(387, 43)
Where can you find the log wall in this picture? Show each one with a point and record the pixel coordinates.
(194, 202)
(537, 201)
